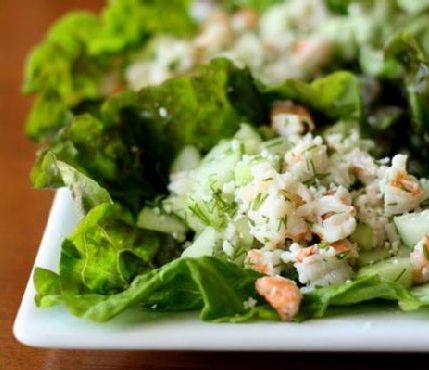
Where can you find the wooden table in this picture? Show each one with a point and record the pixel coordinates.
(23, 214)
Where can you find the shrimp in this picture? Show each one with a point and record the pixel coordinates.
(255, 260)
(288, 118)
(281, 293)
(420, 261)
(402, 192)
(264, 261)
(245, 19)
(312, 52)
(306, 252)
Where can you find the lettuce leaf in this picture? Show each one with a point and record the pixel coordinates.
(216, 287)
(258, 5)
(127, 146)
(82, 52)
(49, 172)
(200, 109)
(363, 289)
(105, 252)
(48, 288)
(407, 51)
(336, 95)
(128, 23)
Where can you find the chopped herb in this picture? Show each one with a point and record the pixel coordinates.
(251, 222)
(242, 148)
(342, 255)
(267, 179)
(258, 201)
(323, 245)
(310, 148)
(198, 212)
(400, 275)
(425, 252)
(279, 226)
(219, 203)
(282, 221)
(393, 204)
(321, 176)
(402, 187)
(274, 142)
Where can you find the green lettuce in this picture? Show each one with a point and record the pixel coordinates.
(216, 287)
(82, 55)
(258, 5)
(128, 144)
(415, 83)
(336, 95)
(363, 289)
(50, 173)
(105, 252)
(48, 288)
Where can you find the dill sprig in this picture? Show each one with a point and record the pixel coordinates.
(259, 200)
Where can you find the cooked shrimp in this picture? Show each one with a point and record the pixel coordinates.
(306, 252)
(287, 107)
(255, 260)
(281, 293)
(264, 261)
(402, 191)
(420, 261)
(245, 19)
(290, 119)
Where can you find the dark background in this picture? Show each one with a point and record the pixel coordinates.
(23, 213)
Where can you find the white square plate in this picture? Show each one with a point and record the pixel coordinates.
(362, 330)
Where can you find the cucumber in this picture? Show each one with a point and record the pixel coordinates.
(217, 167)
(203, 245)
(187, 159)
(373, 256)
(249, 138)
(363, 236)
(394, 269)
(242, 174)
(278, 146)
(245, 237)
(151, 219)
(412, 227)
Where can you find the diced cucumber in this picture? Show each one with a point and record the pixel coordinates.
(242, 227)
(363, 236)
(412, 227)
(203, 245)
(217, 168)
(187, 159)
(151, 219)
(278, 146)
(394, 269)
(373, 256)
(223, 149)
(242, 174)
(179, 206)
(249, 138)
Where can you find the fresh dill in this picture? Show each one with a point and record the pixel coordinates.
(400, 275)
(259, 200)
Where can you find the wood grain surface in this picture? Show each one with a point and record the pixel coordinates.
(23, 214)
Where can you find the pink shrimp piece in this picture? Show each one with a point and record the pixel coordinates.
(255, 261)
(420, 261)
(409, 186)
(305, 252)
(287, 107)
(281, 293)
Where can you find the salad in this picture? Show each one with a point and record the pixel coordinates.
(247, 159)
